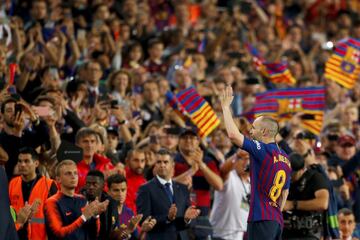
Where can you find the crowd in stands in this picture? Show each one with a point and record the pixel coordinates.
(90, 148)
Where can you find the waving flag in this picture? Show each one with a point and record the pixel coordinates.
(275, 72)
(343, 66)
(282, 104)
(189, 102)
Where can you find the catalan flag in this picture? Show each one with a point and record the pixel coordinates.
(199, 110)
(282, 104)
(343, 66)
(278, 73)
(175, 104)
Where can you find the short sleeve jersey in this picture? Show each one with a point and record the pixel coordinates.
(270, 174)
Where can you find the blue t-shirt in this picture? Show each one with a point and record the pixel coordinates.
(270, 174)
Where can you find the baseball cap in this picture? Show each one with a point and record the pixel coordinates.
(297, 161)
(347, 140)
(188, 132)
(112, 130)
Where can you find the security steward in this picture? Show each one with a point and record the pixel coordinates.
(308, 200)
(28, 188)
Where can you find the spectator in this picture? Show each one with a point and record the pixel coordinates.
(16, 135)
(166, 201)
(135, 165)
(67, 215)
(151, 108)
(86, 139)
(347, 224)
(227, 219)
(191, 159)
(33, 189)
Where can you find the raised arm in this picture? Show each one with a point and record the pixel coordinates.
(233, 132)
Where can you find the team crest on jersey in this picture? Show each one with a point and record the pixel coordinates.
(258, 146)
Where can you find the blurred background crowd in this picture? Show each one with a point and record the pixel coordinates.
(90, 85)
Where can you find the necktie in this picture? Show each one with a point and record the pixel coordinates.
(168, 192)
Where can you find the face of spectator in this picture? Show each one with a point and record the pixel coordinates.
(130, 8)
(345, 151)
(102, 13)
(94, 186)
(151, 93)
(227, 76)
(121, 82)
(38, 10)
(200, 61)
(94, 73)
(68, 177)
(351, 114)
(9, 114)
(88, 145)
(182, 78)
(221, 140)
(188, 143)
(164, 166)
(135, 54)
(125, 32)
(26, 165)
(295, 35)
(241, 165)
(163, 87)
(118, 192)
(156, 51)
(113, 141)
(346, 225)
(137, 162)
(169, 141)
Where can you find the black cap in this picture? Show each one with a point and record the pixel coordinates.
(297, 161)
(112, 130)
(187, 132)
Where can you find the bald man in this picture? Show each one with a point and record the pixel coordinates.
(269, 170)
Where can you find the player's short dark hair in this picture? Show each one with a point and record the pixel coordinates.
(115, 179)
(164, 152)
(31, 151)
(96, 173)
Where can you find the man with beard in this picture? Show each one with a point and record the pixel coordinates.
(15, 135)
(135, 165)
(269, 170)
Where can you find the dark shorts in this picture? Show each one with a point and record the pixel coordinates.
(269, 230)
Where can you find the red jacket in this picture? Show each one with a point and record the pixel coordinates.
(134, 181)
(101, 163)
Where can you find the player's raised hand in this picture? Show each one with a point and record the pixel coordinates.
(226, 97)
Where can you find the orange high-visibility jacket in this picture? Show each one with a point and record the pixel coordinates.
(36, 226)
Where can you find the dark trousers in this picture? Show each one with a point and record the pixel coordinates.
(269, 230)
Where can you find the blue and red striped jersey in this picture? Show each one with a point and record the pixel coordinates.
(270, 174)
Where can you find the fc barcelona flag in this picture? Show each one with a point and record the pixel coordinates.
(282, 104)
(343, 66)
(278, 73)
(199, 111)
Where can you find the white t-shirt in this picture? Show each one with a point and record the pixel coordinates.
(230, 210)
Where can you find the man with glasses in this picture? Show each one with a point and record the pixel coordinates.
(269, 170)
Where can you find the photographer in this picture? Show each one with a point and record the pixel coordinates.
(307, 202)
(228, 220)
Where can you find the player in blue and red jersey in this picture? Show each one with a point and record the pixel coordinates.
(269, 170)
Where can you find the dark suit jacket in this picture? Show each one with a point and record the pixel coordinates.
(153, 201)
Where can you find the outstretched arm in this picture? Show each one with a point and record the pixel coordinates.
(233, 132)
(283, 197)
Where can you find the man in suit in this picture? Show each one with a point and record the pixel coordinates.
(166, 201)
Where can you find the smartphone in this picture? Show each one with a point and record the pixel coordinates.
(43, 111)
(136, 113)
(114, 103)
(54, 73)
(18, 109)
(307, 117)
(92, 100)
(153, 139)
